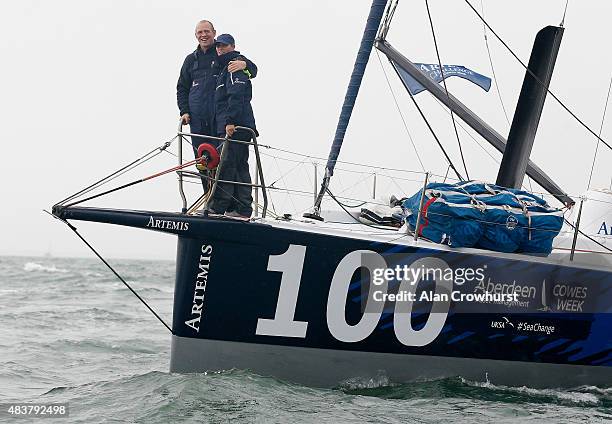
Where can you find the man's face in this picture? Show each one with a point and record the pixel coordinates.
(224, 48)
(205, 35)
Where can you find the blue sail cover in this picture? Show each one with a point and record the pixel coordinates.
(433, 72)
(487, 216)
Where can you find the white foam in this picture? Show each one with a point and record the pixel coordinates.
(579, 397)
(8, 291)
(380, 380)
(33, 266)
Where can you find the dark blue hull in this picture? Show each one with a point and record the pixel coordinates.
(230, 276)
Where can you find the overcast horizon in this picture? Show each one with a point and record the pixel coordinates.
(89, 86)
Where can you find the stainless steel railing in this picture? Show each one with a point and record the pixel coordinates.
(259, 177)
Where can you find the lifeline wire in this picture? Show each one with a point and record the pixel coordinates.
(339, 161)
(567, 109)
(433, 33)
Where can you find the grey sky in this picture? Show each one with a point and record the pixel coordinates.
(87, 86)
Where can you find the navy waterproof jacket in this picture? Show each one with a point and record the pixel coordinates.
(233, 96)
(195, 89)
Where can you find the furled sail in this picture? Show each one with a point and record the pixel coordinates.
(369, 34)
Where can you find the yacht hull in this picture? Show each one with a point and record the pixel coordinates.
(288, 300)
(333, 368)
(268, 301)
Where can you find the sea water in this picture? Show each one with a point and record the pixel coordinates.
(70, 332)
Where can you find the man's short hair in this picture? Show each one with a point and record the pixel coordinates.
(204, 21)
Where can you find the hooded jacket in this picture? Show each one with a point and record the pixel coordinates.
(233, 96)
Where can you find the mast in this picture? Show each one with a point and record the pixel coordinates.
(367, 41)
(529, 107)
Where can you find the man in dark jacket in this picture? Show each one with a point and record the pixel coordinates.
(195, 90)
(233, 108)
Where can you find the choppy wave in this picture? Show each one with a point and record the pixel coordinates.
(36, 267)
(360, 383)
(240, 396)
(71, 333)
(585, 396)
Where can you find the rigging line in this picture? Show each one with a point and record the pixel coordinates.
(592, 239)
(199, 184)
(172, 154)
(446, 175)
(501, 101)
(384, 29)
(104, 180)
(111, 178)
(125, 171)
(73, 228)
(150, 177)
(219, 187)
(564, 13)
(284, 182)
(344, 169)
(433, 33)
(529, 182)
(288, 172)
(272, 204)
(478, 143)
(433, 133)
(310, 181)
(341, 161)
(358, 183)
(392, 179)
(206, 196)
(242, 202)
(309, 193)
(400, 111)
(603, 118)
(539, 81)
(467, 132)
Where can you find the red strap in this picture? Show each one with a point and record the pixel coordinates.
(424, 214)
